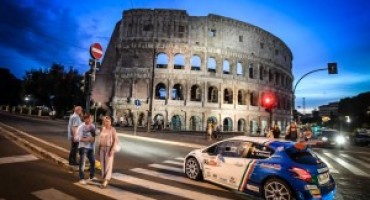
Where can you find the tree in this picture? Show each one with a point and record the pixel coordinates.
(10, 88)
(357, 108)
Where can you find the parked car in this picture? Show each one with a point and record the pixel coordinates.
(270, 169)
(361, 137)
(331, 138)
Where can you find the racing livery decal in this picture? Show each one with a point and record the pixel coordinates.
(246, 175)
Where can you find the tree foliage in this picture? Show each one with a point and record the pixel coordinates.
(358, 108)
(10, 88)
(54, 87)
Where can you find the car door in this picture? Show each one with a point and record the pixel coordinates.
(212, 161)
(234, 163)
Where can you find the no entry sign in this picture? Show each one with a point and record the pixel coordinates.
(96, 51)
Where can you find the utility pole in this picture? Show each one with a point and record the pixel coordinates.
(151, 88)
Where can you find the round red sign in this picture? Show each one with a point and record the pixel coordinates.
(96, 51)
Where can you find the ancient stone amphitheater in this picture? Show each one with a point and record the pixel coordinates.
(207, 69)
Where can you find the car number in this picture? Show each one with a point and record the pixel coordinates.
(323, 178)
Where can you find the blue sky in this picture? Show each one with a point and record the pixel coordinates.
(36, 33)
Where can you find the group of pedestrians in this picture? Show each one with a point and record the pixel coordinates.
(293, 133)
(83, 137)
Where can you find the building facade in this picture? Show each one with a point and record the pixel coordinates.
(205, 69)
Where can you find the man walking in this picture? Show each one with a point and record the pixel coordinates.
(292, 132)
(86, 138)
(74, 122)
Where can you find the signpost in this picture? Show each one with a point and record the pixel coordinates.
(96, 52)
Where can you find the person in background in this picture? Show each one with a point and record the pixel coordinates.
(276, 131)
(86, 138)
(292, 132)
(108, 140)
(74, 122)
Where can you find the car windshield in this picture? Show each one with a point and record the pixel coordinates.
(329, 134)
(302, 156)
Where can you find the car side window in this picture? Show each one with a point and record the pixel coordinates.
(259, 151)
(231, 149)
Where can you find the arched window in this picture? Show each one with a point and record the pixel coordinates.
(271, 76)
(177, 92)
(226, 67)
(254, 99)
(179, 62)
(211, 65)
(212, 94)
(261, 72)
(241, 125)
(176, 122)
(241, 97)
(160, 91)
(251, 75)
(228, 124)
(195, 123)
(162, 61)
(228, 96)
(277, 78)
(195, 93)
(239, 69)
(196, 63)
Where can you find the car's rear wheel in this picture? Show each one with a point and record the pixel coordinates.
(277, 189)
(192, 169)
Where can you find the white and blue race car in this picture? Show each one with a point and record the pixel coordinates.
(270, 169)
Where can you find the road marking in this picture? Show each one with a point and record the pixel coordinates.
(365, 158)
(347, 165)
(52, 194)
(367, 165)
(113, 192)
(182, 159)
(174, 169)
(182, 144)
(171, 177)
(331, 168)
(174, 163)
(15, 159)
(164, 188)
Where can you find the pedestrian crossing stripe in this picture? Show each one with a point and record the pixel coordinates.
(165, 167)
(52, 193)
(366, 165)
(347, 165)
(17, 159)
(174, 163)
(331, 168)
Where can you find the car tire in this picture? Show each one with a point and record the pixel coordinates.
(277, 188)
(192, 169)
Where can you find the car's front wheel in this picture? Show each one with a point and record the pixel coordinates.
(192, 169)
(277, 189)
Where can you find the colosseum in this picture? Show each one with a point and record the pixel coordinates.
(189, 71)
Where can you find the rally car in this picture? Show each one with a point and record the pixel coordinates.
(270, 169)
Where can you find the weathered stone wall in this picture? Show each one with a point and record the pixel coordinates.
(249, 61)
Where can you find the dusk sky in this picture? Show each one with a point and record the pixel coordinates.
(36, 33)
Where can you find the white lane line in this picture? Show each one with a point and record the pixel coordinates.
(16, 159)
(174, 163)
(174, 169)
(331, 168)
(181, 159)
(175, 178)
(365, 158)
(347, 165)
(367, 165)
(52, 194)
(114, 193)
(181, 144)
(164, 188)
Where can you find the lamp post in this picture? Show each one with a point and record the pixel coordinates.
(332, 69)
(151, 88)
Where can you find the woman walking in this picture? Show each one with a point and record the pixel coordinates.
(108, 141)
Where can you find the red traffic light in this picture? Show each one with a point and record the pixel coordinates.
(268, 100)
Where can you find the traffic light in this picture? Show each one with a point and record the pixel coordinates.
(332, 68)
(268, 101)
(85, 83)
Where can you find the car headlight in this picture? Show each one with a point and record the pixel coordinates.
(340, 139)
(324, 139)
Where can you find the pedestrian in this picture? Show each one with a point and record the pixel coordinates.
(292, 132)
(270, 133)
(121, 120)
(108, 141)
(74, 122)
(276, 131)
(86, 138)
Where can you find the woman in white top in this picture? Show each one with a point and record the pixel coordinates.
(108, 141)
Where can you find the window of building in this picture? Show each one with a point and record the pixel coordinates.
(211, 65)
(261, 72)
(276, 52)
(262, 45)
(177, 92)
(181, 29)
(251, 74)
(195, 93)
(162, 61)
(241, 97)
(212, 94)
(160, 91)
(226, 67)
(148, 27)
(212, 33)
(228, 96)
(196, 63)
(179, 61)
(239, 69)
(240, 38)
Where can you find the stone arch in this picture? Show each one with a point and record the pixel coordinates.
(179, 61)
(227, 124)
(212, 120)
(160, 91)
(241, 97)
(158, 121)
(251, 70)
(253, 127)
(253, 98)
(195, 93)
(212, 94)
(211, 65)
(228, 96)
(162, 61)
(195, 123)
(177, 92)
(176, 123)
(226, 67)
(141, 119)
(196, 63)
(241, 125)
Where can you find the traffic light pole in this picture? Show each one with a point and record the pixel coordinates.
(151, 87)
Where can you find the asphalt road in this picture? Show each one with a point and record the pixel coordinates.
(153, 170)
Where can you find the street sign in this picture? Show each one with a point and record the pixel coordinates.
(137, 102)
(96, 51)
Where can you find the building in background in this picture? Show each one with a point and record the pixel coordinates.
(330, 110)
(207, 69)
